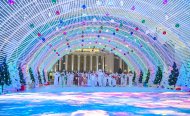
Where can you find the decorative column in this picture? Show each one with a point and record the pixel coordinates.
(60, 64)
(120, 63)
(90, 62)
(78, 62)
(84, 62)
(72, 60)
(66, 61)
(103, 63)
(97, 63)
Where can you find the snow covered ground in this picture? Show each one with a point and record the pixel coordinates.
(95, 101)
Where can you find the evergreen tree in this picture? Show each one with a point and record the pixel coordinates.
(173, 76)
(141, 77)
(158, 77)
(39, 77)
(31, 75)
(4, 75)
(182, 79)
(147, 76)
(22, 81)
(134, 77)
(44, 76)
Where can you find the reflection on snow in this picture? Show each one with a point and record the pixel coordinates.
(96, 103)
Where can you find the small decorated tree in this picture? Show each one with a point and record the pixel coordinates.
(140, 77)
(134, 78)
(158, 77)
(39, 77)
(5, 76)
(22, 80)
(182, 79)
(44, 76)
(31, 75)
(147, 77)
(174, 75)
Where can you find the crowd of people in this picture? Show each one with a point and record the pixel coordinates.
(93, 79)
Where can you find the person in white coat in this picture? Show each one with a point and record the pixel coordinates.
(100, 77)
(110, 80)
(105, 78)
(56, 76)
(130, 76)
(113, 80)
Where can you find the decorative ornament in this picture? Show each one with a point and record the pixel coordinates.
(121, 25)
(11, 2)
(117, 29)
(57, 53)
(131, 33)
(31, 25)
(64, 33)
(100, 31)
(39, 34)
(53, 1)
(165, 2)
(124, 54)
(143, 21)
(101, 27)
(82, 36)
(136, 28)
(54, 50)
(57, 12)
(82, 40)
(164, 32)
(107, 14)
(177, 25)
(113, 33)
(133, 8)
(82, 45)
(67, 43)
(154, 38)
(68, 46)
(83, 23)
(60, 21)
(43, 39)
(98, 36)
(84, 6)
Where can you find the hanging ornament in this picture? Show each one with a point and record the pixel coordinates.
(67, 43)
(100, 31)
(143, 21)
(101, 27)
(83, 23)
(98, 36)
(109, 41)
(82, 32)
(31, 25)
(11, 2)
(131, 33)
(177, 25)
(64, 33)
(113, 33)
(53, 1)
(84, 6)
(133, 8)
(68, 46)
(154, 38)
(43, 39)
(82, 40)
(39, 34)
(57, 53)
(82, 36)
(136, 28)
(165, 2)
(124, 54)
(61, 21)
(117, 29)
(82, 45)
(57, 12)
(107, 14)
(164, 32)
(54, 50)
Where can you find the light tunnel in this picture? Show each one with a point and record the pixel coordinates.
(142, 38)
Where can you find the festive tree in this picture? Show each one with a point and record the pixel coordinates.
(182, 79)
(31, 75)
(134, 77)
(39, 77)
(22, 81)
(44, 76)
(147, 76)
(173, 76)
(5, 76)
(158, 77)
(140, 77)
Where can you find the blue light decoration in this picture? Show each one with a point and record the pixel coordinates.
(83, 40)
(165, 2)
(83, 6)
(98, 36)
(60, 21)
(131, 33)
(154, 38)
(11, 2)
(113, 33)
(43, 39)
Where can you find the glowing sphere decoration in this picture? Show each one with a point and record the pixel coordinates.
(83, 6)
(54, 50)
(101, 27)
(165, 2)
(53, 1)
(154, 38)
(164, 32)
(43, 39)
(83, 40)
(98, 36)
(100, 31)
(133, 8)
(57, 12)
(11, 2)
(136, 28)
(143, 21)
(113, 33)
(131, 33)
(39, 34)
(60, 21)
(67, 43)
(117, 29)
(31, 25)
(177, 25)
(121, 25)
(57, 53)
(64, 33)
(124, 54)
(82, 36)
